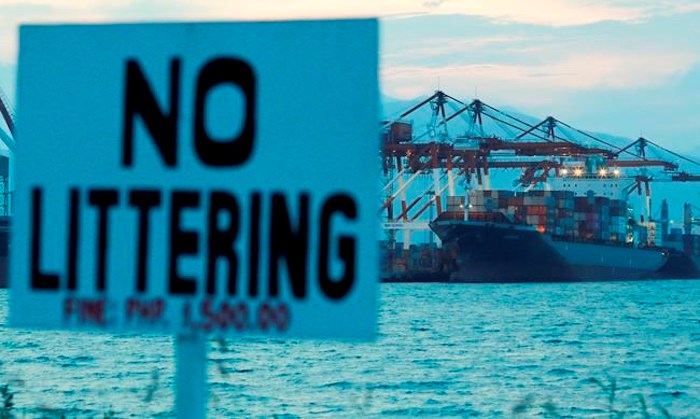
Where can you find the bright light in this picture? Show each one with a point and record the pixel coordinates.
(616, 172)
(578, 172)
(603, 172)
(563, 172)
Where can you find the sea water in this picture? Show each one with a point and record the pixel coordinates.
(449, 350)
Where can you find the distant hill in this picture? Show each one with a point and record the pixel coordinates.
(695, 153)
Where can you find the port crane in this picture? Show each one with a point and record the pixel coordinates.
(7, 112)
(539, 150)
(410, 156)
(8, 116)
(7, 138)
(672, 171)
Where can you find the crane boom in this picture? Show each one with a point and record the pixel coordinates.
(685, 177)
(8, 117)
(6, 112)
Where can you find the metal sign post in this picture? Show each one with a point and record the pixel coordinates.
(190, 377)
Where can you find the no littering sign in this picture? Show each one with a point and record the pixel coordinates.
(197, 178)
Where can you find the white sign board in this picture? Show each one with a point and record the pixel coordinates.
(198, 177)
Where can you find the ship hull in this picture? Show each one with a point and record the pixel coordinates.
(493, 252)
(681, 266)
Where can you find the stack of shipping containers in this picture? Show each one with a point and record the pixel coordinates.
(558, 213)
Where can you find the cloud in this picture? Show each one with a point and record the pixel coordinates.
(441, 46)
(534, 54)
(545, 12)
(670, 7)
(615, 71)
(557, 13)
(620, 77)
(433, 3)
(541, 85)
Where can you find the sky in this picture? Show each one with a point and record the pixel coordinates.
(623, 67)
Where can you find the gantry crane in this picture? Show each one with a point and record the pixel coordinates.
(9, 117)
(538, 149)
(9, 141)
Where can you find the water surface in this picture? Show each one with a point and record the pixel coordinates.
(450, 350)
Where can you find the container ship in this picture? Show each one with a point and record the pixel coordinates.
(582, 229)
(542, 236)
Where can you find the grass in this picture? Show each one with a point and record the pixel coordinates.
(529, 405)
(6, 403)
(609, 388)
